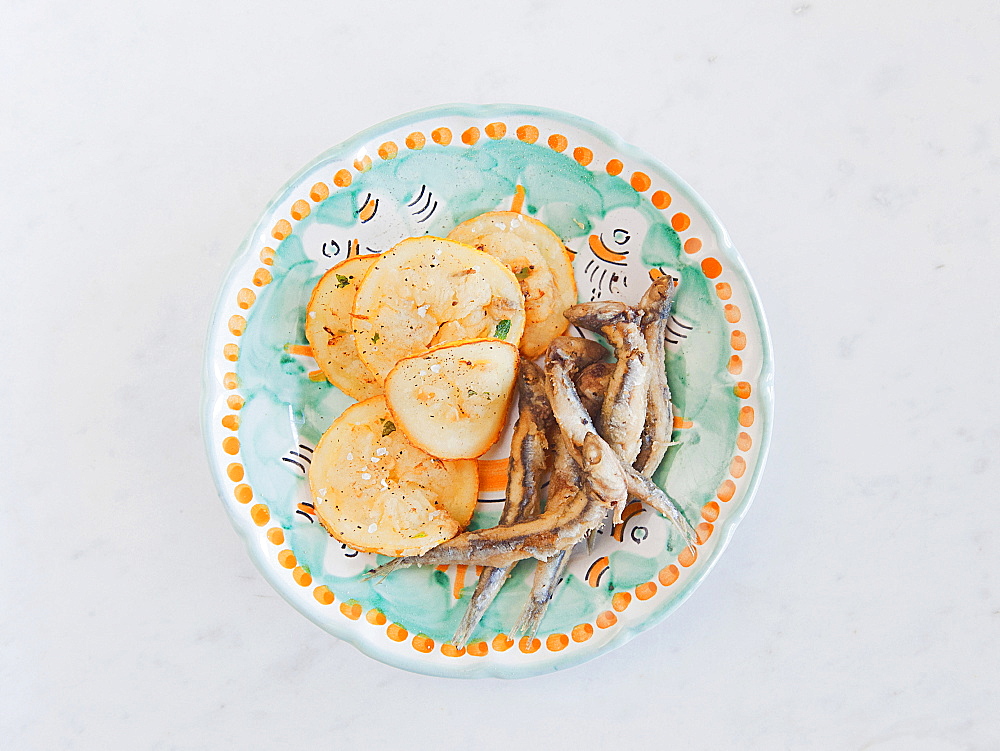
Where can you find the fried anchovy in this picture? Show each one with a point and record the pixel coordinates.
(528, 460)
(565, 485)
(623, 413)
(551, 531)
(656, 305)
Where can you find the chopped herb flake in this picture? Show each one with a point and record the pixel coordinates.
(522, 274)
(388, 426)
(342, 281)
(375, 338)
(502, 329)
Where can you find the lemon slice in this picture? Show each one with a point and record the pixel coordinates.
(378, 493)
(540, 262)
(329, 331)
(427, 291)
(452, 401)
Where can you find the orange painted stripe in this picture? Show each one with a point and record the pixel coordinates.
(459, 584)
(299, 349)
(597, 568)
(681, 424)
(316, 375)
(493, 474)
(517, 203)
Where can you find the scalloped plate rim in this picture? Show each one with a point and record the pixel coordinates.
(765, 384)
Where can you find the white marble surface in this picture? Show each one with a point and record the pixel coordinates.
(851, 148)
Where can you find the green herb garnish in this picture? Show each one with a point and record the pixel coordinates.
(522, 274)
(388, 426)
(375, 338)
(342, 281)
(502, 329)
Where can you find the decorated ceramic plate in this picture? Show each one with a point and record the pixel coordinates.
(624, 217)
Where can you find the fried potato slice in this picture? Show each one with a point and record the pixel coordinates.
(378, 493)
(329, 331)
(541, 263)
(427, 291)
(452, 401)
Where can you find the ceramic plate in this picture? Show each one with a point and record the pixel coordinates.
(623, 216)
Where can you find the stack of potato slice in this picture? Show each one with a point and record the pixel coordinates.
(426, 336)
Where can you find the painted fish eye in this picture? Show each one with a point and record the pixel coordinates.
(621, 236)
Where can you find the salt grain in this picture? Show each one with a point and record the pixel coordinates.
(365, 476)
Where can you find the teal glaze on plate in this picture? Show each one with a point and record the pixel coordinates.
(429, 191)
